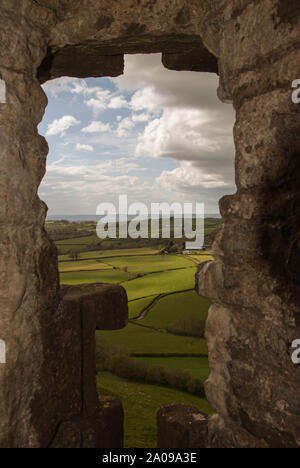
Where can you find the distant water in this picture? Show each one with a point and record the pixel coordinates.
(80, 218)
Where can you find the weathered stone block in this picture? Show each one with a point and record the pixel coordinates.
(110, 423)
(107, 303)
(79, 62)
(181, 426)
(196, 59)
(100, 306)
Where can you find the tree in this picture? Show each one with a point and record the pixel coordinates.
(74, 255)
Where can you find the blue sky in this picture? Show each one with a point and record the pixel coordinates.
(152, 134)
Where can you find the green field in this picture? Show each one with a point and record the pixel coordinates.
(83, 265)
(135, 307)
(161, 287)
(149, 264)
(86, 240)
(78, 243)
(160, 283)
(110, 253)
(142, 340)
(196, 366)
(140, 403)
(86, 277)
(201, 258)
(169, 308)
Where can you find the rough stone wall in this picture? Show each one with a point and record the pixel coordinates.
(254, 281)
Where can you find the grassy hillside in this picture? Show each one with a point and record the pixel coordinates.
(137, 306)
(197, 367)
(160, 289)
(86, 277)
(83, 265)
(159, 283)
(140, 403)
(149, 264)
(171, 307)
(141, 340)
(110, 253)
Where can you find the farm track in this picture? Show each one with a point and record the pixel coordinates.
(152, 273)
(146, 309)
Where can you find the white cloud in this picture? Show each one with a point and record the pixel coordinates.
(104, 100)
(194, 136)
(96, 127)
(60, 126)
(60, 85)
(140, 118)
(80, 147)
(117, 103)
(177, 134)
(145, 99)
(81, 87)
(121, 165)
(124, 126)
(60, 160)
(189, 176)
(97, 104)
(73, 86)
(79, 189)
(168, 88)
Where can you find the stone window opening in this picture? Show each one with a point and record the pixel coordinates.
(82, 290)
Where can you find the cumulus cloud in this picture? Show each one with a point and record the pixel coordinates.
(123, 165)
(73, 86)
(60, 126)
(188, 124)
(203, 147)
(124, 127)
(80, 147)
(167, 88)
(80, 188)
(141, 118)
(186, 177)
(145, 98)
(117, 102)
(97, 104)
(59, 85)
(97, 127)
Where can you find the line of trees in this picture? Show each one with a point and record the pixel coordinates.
(187, 325)
(116, 359)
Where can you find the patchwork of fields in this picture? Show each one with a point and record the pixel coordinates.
(160, 291)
